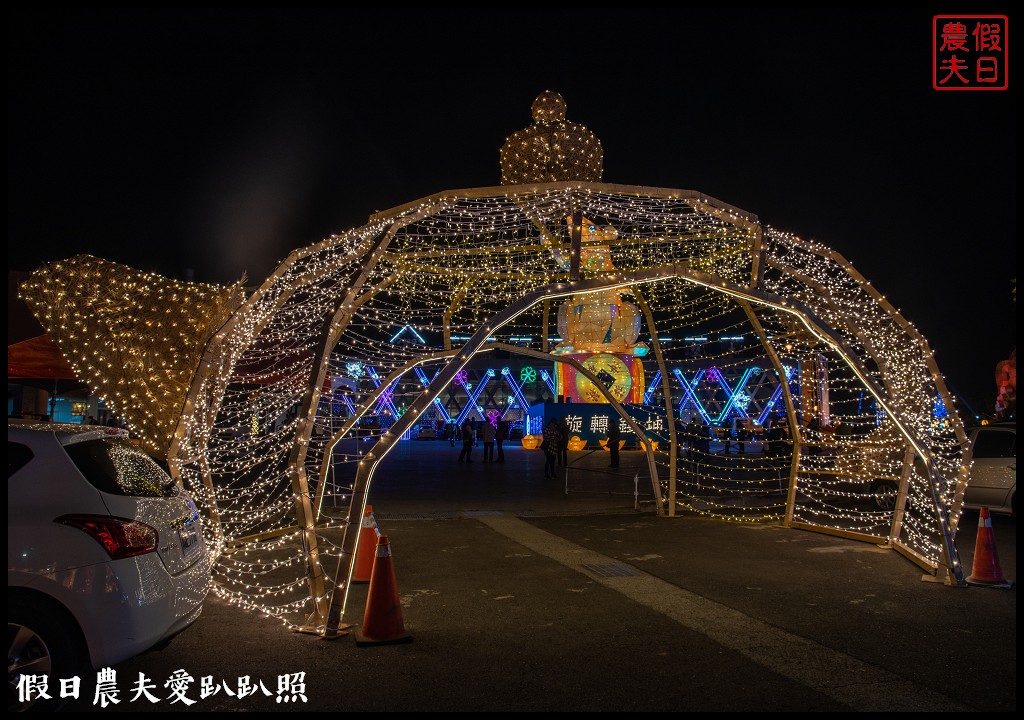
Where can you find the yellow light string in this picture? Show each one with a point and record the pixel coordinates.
(459, 261)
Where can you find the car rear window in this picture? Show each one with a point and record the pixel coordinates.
(995, 444)
(118, 467)
(18, 456)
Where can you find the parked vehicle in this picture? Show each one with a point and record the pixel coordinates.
(105, 553)
(993, 479)
(992, 482)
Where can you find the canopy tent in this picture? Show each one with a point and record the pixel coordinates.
(38, 362)
(38, 358)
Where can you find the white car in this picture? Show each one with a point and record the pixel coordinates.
(105, 554)
(992, 482)
(993, 479)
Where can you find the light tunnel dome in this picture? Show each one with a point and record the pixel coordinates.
(420, 290)
(716, 321)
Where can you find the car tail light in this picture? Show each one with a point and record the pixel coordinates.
(121, 538)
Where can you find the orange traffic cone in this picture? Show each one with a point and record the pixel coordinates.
(382, 622)
(986, 571)
(368, 534)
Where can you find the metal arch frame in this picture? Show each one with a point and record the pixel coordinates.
(926, 353)
(855, 329)
(388, 223)
(371, 399)
(832, 339)
(437, 401)
(218, 352)
(947, 517)
(666, 390)
(461, 357)
(458, 360)
(791, 418)
(698, 200)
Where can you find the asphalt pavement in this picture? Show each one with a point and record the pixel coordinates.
(526, 594)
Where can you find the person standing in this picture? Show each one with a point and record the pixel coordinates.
(487, 434)
(742, 433)
(614, 434)
(563, 442)
(774, 448)
(682, 443)
(500, 436)
(692, 437)
(467, 441)
(552, 437)
(705, 431)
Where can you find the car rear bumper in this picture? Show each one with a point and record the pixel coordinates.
(125, 607)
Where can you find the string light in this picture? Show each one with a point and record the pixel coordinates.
(135, 337)
(397, 296)
(552, 149)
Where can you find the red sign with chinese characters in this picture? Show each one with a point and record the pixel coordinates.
(969, 52)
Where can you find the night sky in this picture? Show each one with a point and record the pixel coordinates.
(208, 144)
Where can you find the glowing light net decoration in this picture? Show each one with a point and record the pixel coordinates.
(493, 264)
(134, 337)
(552, 149)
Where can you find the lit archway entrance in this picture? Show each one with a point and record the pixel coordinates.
(735, 323)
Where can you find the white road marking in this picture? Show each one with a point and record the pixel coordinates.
(830, 672)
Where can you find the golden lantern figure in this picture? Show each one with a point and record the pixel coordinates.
(600, 331)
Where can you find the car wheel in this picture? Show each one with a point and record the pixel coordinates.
(40, 641)
(885, 493)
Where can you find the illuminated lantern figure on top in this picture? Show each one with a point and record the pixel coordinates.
(600, 331)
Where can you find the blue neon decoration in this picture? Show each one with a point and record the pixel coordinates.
(349, 405)
(354, 369)
(411, 329)
(517, 390)
(775, 396)
(743, 400)
(386, 398)
(437, 401)
(474, 395)
(690, 395)
(651, 387)
(733, 394)
(422, 376)
(547, 379)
